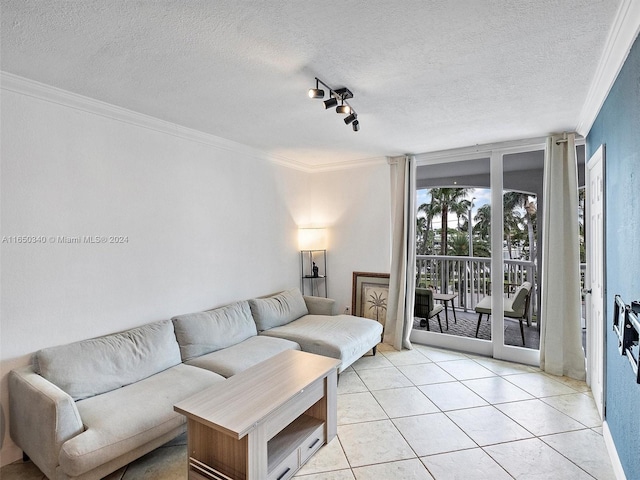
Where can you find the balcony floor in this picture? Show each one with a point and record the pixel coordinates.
(466, 327)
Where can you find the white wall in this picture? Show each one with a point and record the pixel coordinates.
(354, 205)
(207, 222)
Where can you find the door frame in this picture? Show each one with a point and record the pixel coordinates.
(596, 334)
(495, 347)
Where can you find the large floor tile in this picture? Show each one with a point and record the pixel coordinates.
(452, 396)
(335, 475)
(404, 402)
(438, 354)
(466, 369)
(487, 425)
(329, 458)
(373, 442)
(425, 374)
(532, 459)
(472, 464)
(350, 382)
(433, 433)
(406, 357)
(578, 385)
(500, 367)
(383, 378)
(585, 448)
(539, 418)
(371, 361)
(168, 463)
(359, 407)
(497, 390)
(539, 384)
(405, 469)
(579, 406)
(21, 471)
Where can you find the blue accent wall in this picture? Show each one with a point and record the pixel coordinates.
(618, 127)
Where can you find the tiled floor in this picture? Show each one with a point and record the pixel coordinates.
(436, 414)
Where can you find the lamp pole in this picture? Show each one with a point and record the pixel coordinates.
(470, 226)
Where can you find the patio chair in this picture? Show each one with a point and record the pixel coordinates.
(425, 309)
(516, 307)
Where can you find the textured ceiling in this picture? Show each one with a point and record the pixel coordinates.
(426, 75)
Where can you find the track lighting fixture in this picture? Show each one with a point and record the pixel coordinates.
(342, 94)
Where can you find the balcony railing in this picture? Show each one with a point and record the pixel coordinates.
(470, 277)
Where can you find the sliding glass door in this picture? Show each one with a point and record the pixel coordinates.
(477, 250)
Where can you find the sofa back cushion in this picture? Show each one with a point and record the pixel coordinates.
(205, 332)
(98, 365)
(278, 310)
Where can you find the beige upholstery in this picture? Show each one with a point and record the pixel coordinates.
(85, 409)
(425, 309)
(344, 337)
(515, 307)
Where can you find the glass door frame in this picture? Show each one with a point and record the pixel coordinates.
(495, 347)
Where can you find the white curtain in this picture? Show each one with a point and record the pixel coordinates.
(403, 253)
(561, 336)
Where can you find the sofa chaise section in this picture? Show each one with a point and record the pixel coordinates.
(225, 339)
(83, 410)
(287, 316)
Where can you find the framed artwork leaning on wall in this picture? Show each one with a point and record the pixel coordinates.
(370, 295)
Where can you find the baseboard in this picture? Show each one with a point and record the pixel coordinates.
(613, 453)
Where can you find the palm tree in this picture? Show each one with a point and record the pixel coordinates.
(459, 245)
(483, 222)
(514, 201)
(461, 209)
(445, 200)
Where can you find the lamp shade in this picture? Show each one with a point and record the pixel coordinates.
(312, 238)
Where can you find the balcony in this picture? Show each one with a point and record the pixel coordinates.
(469, 278)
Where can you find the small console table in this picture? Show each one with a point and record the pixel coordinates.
(264, 422)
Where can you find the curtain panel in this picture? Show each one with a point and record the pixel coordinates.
(403, 253)
(561, 335)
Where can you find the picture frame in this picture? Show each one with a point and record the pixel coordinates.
(369, 298)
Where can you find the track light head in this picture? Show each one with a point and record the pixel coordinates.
(350, 118)
(316, 92)
(331, 102)
(343, 109)
(355, 125)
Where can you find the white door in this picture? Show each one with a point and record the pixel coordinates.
(594, 280)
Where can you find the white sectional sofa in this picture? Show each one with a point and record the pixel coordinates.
(83, 410)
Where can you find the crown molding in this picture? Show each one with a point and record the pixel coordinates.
(624, 31)
(41, 91)
(346, 165)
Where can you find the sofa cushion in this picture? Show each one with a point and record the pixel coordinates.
(90, 367)
(344, 337)
(204, 332)
(243, 355)
(119, 421)
(278, 309)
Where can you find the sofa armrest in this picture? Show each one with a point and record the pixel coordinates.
(42, 417)
(319, 305)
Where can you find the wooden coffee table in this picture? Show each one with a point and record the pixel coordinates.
(264, 422)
